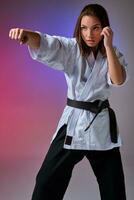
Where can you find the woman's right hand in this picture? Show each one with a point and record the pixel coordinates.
(21, 35)
(24, 36)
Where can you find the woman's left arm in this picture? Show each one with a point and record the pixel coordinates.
(115, 69)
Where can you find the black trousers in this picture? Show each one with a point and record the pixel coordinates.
(55, 173)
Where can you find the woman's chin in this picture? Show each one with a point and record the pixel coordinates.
(91, 45)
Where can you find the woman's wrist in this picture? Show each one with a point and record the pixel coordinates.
(33, 40)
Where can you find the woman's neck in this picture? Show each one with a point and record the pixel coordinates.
(95, 51)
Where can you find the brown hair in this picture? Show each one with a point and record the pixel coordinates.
(95, 10)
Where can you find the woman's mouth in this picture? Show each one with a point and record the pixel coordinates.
(90, 41)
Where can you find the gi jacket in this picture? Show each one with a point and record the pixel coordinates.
(87, 80)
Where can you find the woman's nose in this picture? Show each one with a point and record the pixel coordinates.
(89, 33)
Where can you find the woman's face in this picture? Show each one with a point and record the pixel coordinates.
(91, 30)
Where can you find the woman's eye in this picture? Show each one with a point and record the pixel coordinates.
(97, 28)
(83, 28)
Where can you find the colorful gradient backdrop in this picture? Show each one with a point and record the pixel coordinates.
(32, 95)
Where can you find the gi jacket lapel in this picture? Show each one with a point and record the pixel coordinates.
(89, 85)
(84, 96)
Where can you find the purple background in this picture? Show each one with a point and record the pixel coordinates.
(32, 96)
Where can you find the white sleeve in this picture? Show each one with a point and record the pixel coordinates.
(124, 65)
(54, 51)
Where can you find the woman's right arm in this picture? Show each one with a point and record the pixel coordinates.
(54, 51)
(24, 36)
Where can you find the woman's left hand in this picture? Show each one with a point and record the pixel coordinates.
(108, 36)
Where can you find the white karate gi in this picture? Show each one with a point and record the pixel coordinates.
(87, 80)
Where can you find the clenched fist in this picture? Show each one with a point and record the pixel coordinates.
(24, 36)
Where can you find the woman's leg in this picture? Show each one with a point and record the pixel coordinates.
(53, 177)
(107, 166)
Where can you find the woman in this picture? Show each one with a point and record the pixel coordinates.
(92, 65)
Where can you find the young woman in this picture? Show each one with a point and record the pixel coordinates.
(88, 127)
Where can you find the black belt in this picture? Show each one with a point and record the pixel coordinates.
(96, 107)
